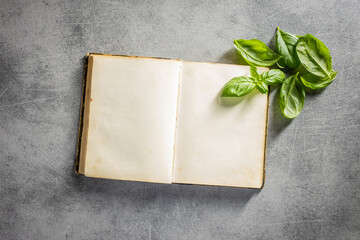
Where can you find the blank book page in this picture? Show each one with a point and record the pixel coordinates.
(218, 142)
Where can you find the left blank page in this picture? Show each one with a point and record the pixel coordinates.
(132, 117)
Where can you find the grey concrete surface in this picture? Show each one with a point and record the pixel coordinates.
(312, 188)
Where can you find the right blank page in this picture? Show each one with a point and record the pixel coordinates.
(218, 141)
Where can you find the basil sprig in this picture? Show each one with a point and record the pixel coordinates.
(240, 86)
(308, 57)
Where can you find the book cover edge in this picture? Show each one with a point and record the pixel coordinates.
(266, 139)
(81, 114)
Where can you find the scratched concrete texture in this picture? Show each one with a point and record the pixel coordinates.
(312, 188)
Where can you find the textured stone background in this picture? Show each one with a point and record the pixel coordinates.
(312, 188)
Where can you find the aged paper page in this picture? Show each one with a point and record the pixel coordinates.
(132, 118)
(218, 142)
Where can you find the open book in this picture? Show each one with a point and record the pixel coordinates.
(162, 120)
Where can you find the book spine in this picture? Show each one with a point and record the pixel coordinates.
(82, 110)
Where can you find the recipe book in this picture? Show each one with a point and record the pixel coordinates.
(162, 120)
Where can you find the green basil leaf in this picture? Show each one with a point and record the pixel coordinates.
(256, 53)
(254, 73)
(314, 56)
(272, 76)
(285, 46)
(262, 87)
(292, 97)
(314, 82)
(238, 86)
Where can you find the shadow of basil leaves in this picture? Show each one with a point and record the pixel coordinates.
(277, 121)
(232, 57)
